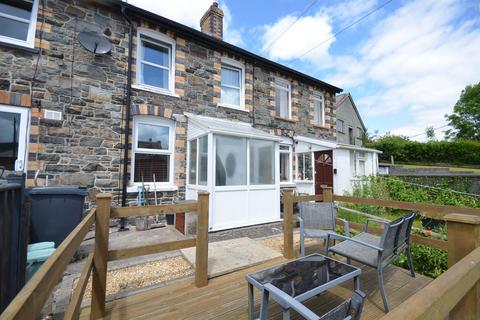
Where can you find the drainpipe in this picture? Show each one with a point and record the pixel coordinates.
(127, 114)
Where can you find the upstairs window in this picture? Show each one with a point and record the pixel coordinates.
(282, 98)
(319, 112)
(232, 84)
(155, 61)
(153, 146)
(18, 21)
(359, 133)
(340, 126)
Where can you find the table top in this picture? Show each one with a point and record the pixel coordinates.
(299, 276)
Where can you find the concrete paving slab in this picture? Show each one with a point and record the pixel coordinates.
(232, 255)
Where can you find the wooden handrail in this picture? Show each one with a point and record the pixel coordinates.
(30, 300)
(434, 211)
(183, 206)
(440, 296)
(150, 249)
(73, 309)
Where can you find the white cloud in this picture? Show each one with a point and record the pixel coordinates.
(420, 57)
(298, 39)
(189, 13)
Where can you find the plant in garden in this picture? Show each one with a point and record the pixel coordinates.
(428, 261)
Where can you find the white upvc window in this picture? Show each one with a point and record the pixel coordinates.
(232, 84)
(319, 109)
(18, 21)
(198, 161)
(285, 164)
(283, 97)
(361, 160)
(304, 166)
(155, 62)
(153, 150)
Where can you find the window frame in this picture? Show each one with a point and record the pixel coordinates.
(359, 133)
(161, 40)
(290, 164)
(284, 84)
(319, 97)
(152, 120)
(196, 141)
(32, 27)
(343, 125)
(303, 161)
(237, 66)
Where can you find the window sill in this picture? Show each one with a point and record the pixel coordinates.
(155, 90)
(134, 188)
(303, 181)
(318, 126)
(229, 106)
(19, 47)
(285, 119)
(287, 185)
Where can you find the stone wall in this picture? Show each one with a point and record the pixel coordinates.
(85, 147)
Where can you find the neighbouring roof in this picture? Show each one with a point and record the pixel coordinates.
(356, 148)
(221, 126)
(341, 98)
(217, 43)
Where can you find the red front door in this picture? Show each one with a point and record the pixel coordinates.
(323, 170)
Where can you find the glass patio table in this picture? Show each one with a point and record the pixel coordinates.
(301, 279)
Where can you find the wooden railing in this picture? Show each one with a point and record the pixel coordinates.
(31, 299)
(456, 293)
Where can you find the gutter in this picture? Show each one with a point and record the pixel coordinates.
(128, 100)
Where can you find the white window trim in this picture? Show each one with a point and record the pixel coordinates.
(151, 120)
(290, 158)
(303, 160)
(197, 162)
(166, 42)
(30, 42)
(284, 84)
(319, 97)
(234, 64)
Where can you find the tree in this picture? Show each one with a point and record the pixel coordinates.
(366, 137)
(430, 132)
(465, 118)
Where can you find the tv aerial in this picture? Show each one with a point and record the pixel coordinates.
(94, 42)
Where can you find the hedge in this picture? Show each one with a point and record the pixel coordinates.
(458, 152)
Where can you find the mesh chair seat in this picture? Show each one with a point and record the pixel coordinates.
(357, 251)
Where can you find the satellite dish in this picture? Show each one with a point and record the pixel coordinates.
(94, 42)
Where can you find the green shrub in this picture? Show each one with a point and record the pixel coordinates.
(459, 152)
(428, 261)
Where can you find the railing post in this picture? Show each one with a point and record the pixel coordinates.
(100, 256)
(327, 193)
(201, 259)
(288, 252)
(463, 234)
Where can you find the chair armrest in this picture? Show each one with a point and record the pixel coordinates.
(301, 223)
(383, 221)
(346, 225)
(356, 241)
(284, 298)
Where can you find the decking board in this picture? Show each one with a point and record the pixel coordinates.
(225, 297)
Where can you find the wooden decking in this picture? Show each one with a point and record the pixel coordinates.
(225, 297)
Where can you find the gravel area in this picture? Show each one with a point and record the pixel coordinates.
(143, 275)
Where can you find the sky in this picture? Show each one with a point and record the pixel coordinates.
(405, 64)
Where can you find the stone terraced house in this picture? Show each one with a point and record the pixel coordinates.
(168, 108)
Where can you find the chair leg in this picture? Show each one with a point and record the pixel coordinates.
(382, 288)
(302, 244)
(410, 261)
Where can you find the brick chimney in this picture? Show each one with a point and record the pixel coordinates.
(212, 21)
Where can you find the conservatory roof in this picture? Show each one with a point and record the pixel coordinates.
(205, 125)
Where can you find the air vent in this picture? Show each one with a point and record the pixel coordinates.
(53, 115)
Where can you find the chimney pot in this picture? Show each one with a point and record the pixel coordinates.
(212, 21)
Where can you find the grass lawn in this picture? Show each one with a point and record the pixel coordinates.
(452, 169)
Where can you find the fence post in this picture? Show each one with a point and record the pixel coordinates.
(327, 194)
(201, 259)
(288, 252)
(100, 256)
(463, 234)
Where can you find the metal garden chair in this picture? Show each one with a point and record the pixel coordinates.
(317, 220)
(351, 309)
(377, 252)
